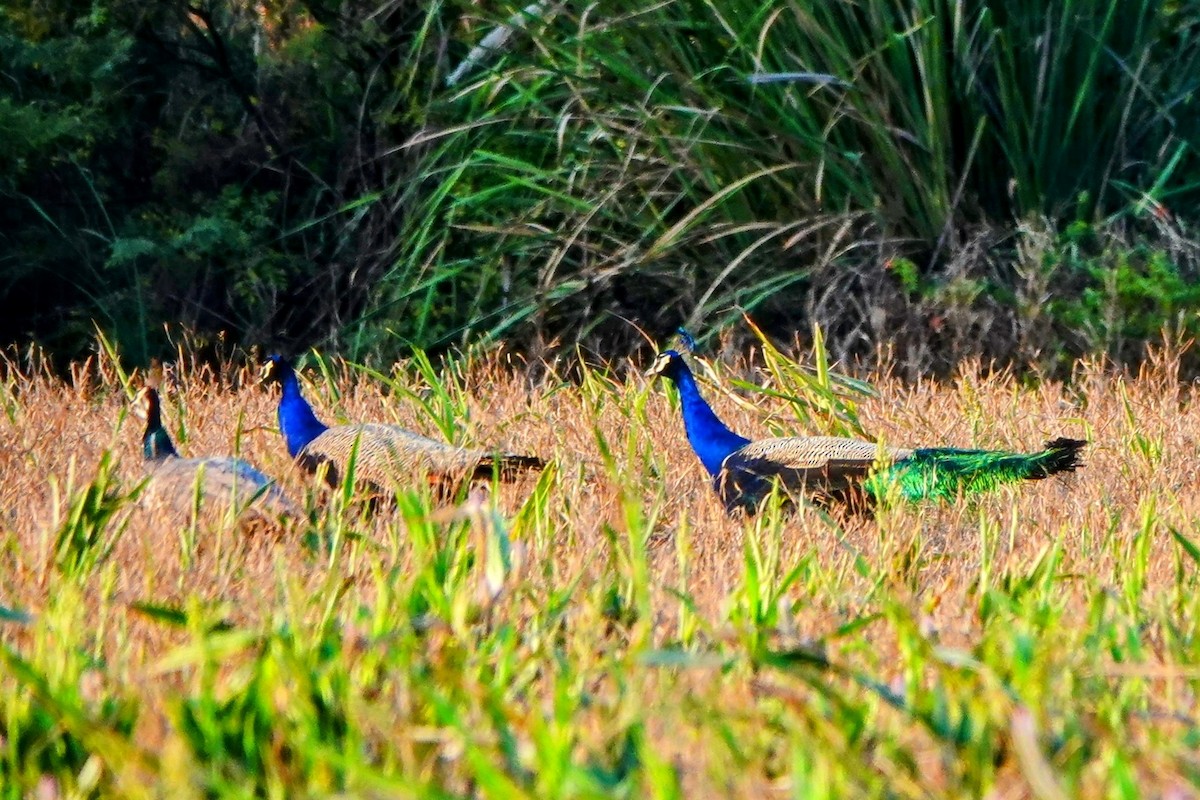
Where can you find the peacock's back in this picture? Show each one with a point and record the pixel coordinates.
(821, 466)
(389, 454)
(222, 483)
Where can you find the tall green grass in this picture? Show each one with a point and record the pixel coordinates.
(625, 160)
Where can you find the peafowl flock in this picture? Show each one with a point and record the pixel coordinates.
(174, 481)
(830, 468)
(386, 454)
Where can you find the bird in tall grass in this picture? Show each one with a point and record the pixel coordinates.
(386, 455)
(854, 471)
(218, 481)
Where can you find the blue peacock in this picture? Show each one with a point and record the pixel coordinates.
(831, 468)
(386, 455)
(174, 481)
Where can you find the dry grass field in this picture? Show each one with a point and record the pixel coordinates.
(603, 630)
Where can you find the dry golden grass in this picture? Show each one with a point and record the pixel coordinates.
(1054, 620)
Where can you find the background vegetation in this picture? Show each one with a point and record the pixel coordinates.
(1008, 180)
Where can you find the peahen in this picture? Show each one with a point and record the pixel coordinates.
(387, 454)
(851, 470)
(174, 481)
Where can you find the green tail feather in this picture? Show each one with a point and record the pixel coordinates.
(944, 473)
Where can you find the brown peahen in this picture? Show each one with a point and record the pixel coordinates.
(850, 470)
(221, 482)
(387, 455)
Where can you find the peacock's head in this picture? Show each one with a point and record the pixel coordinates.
(669, 363)
(145, 402)
(275, 369)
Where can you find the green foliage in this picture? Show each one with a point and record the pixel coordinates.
(267, 729)
(297, 172)
(93, 523)
(60, 716)
(1121, 296)
(940, 117)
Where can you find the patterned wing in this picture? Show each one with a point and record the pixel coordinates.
(821, 466)
(388, 453)
(221, 481)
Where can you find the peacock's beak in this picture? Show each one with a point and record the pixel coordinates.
(266, 373)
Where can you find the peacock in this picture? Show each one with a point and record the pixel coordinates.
(387, 455)
(854, 471)
(174, 480)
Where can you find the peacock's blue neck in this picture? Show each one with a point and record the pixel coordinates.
(296, 418)
(710, 438)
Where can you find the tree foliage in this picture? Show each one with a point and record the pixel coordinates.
(354, 174)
